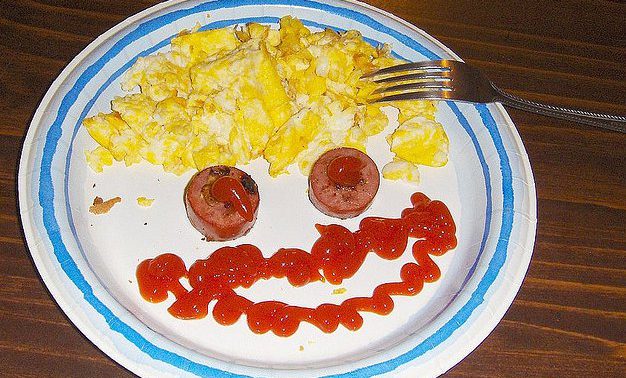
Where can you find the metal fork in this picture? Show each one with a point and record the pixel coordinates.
(454, 80)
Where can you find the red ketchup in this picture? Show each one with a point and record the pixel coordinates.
(336, 255)
(345, 170)
(229, 190)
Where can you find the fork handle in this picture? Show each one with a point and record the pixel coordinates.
(605, 121)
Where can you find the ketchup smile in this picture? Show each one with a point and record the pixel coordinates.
(338, 254)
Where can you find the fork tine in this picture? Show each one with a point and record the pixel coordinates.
(415, 66)
(429, 94)
(434, 76)
(429, 85)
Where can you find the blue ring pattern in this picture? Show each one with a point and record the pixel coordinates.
(46, 197)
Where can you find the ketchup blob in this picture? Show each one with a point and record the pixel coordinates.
(336, 255)
(345, 170)
(229, 190)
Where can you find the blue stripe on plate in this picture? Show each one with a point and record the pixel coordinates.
(46, 191)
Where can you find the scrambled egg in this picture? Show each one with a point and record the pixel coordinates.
(145, 202)
(231, 95)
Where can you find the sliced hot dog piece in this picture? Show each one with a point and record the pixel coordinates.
(343, 182)
(222, 202)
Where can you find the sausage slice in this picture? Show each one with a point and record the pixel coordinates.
(343, 182)
(222, 202)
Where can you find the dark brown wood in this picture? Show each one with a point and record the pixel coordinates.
(569, 318)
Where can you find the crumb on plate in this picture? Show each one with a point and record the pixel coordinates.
(101, 206)
(145, 202)
(341, 290)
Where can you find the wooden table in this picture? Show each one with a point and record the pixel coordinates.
(569, 318)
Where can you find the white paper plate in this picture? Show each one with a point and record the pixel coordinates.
(88, 262)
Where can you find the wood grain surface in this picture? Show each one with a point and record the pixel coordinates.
(569, 318)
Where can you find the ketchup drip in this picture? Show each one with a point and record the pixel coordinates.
(338, 253)
(229, 190)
